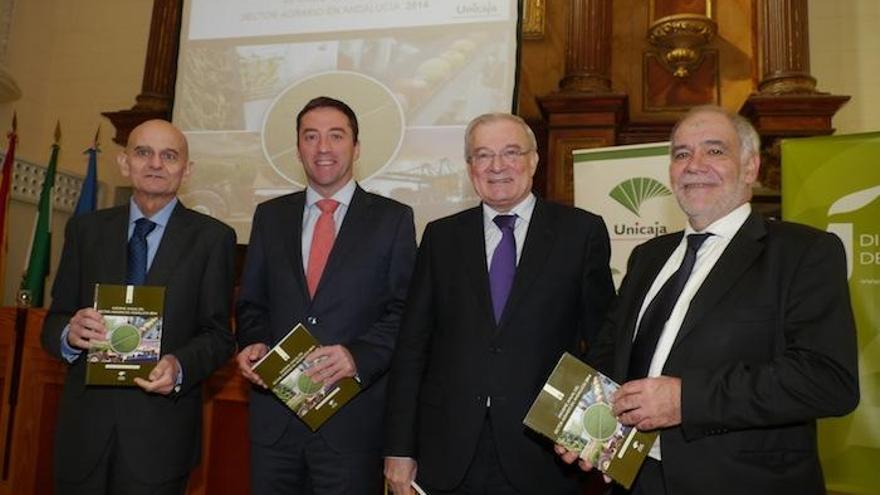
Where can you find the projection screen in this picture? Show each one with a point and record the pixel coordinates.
(414, 71)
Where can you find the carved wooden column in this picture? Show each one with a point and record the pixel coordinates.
(588, 54)
(584, 113)
(160, 72)
(785, 47)
(787, 103)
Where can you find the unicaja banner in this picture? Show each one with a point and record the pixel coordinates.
(833, 183)
(629, 187)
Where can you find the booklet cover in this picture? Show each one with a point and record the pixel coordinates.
(283, 370)
(133, 318)
(574, 410)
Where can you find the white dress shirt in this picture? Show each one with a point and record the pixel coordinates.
(523, 212)
(311, 212)
(722, 231)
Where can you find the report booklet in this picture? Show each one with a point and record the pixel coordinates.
(283, 371)
(574, 410)
(133, 319)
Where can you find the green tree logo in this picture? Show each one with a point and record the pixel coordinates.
(631, 193)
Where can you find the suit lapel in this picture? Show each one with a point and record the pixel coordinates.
(291, 239)
(355, 227)
(173, 246)
(742, 251)
(536, 250)
(642, 277)
(471, 239)
(113, 263)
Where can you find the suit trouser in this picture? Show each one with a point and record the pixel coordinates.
(485, 475)
(298, 464)
(648, 482)
(113, 476)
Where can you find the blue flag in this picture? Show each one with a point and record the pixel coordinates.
(88, 195)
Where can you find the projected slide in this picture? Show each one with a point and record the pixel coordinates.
(415, 72)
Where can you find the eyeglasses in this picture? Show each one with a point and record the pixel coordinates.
(509, 156)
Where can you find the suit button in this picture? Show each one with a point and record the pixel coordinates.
(495, 350)
(312, 320)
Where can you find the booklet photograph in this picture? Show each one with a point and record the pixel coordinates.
(573, 409)
(133, 319)
(283, 368)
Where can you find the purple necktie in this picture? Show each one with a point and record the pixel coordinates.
(503, 267)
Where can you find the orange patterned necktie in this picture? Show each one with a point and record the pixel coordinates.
(322, 242)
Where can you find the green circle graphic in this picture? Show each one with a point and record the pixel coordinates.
(306, 385)
(125, 339)
(599, 422)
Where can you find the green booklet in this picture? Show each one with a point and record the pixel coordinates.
(574, 410)
(283, 370)
(133, 318)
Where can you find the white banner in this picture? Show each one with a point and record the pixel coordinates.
(629, 187)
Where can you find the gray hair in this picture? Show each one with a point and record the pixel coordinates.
(749, 140)
(487, 118)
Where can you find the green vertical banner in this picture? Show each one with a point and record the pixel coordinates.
(833, 183)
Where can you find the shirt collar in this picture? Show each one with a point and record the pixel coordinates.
(343, 196)
(728, 225)
(160, 218)
(523, 210)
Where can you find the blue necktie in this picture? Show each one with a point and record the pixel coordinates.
(659, 309)
(503, 267)
(137, 252)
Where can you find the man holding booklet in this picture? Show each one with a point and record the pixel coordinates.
(732, 337)
(499, 292)
(145, 438)
(336, 259)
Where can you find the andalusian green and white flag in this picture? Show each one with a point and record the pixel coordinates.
(833, 183)
(33, 282)
(629, 187)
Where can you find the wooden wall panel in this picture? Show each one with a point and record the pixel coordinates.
(737, 64)
(542, 61)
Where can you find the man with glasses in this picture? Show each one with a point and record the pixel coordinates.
(733, 337)
(499, 292)
(145, 439)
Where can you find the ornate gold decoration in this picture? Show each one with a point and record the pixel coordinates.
(681, 39)
(533, 19)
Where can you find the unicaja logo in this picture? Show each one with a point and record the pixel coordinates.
(631, 193)
(847, 204)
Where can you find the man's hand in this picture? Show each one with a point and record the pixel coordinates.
(649, 403)
(86, 325)
(569, 456)
(246, 360)
(331, 364)
(163, 378)
(400, 473)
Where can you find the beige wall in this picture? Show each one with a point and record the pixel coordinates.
(72, 61)
(845, 58)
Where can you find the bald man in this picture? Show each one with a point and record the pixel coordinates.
(142, 439)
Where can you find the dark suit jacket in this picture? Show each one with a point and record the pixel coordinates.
(767, 346)
(159, 436)
(358, 304)
(451, 355)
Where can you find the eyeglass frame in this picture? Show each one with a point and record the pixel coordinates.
(510, 155)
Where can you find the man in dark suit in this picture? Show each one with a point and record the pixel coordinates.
(500, 291)
(757, 346)
(147, 439)
(337, 259)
